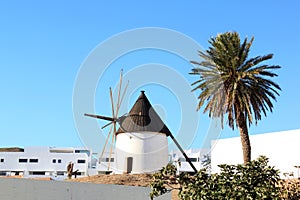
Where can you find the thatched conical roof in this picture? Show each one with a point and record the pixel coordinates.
(142, 117)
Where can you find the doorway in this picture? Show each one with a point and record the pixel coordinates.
(128, 164)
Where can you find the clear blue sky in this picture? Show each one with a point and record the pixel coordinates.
(44, 44)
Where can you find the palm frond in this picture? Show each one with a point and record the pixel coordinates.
(232, 84)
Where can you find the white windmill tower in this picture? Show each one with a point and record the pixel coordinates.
(141, 140)
(141, 143)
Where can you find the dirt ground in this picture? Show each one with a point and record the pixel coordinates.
(142, 180)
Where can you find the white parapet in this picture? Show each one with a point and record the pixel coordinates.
(282, 149)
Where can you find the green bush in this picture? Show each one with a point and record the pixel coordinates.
(165, 176)
(255, 180)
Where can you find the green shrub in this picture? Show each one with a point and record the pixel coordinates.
(255, 180)
(164, 177)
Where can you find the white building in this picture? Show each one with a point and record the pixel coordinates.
(52, 162)
(196, 156)
(34, 162)
(282, 149)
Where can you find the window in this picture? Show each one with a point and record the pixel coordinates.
(16, 173)
(107, 159)
(80, 173)
(80, 161)
(23, 160)
(3, 173)
(87, 152)
(58, 160)
(191, 159)
(37, 173)
(34, 160)
(2, 160)
(60, 173)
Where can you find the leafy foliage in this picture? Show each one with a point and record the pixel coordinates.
(233, 84)
(255, 180)
(165, 176)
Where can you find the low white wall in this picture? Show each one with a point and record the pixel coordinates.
(24, 189)
(282, 149)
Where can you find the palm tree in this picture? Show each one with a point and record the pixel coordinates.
(235, 86)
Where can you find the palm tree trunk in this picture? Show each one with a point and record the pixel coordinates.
(246, 146)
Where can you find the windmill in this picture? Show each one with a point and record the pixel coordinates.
(141, 130)
(112, 120)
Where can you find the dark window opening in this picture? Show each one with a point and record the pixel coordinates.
(60, 173)
(3, 173)
(58, 160)
(80, 173)
(107, 160)
(194, 159)
(23, 160)
(34, 160)
(37, 173)
(80, 161)
(2, 160)
(191, 159)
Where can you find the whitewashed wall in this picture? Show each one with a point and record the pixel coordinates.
(282, 148)
(24, 189)
(148, 149)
